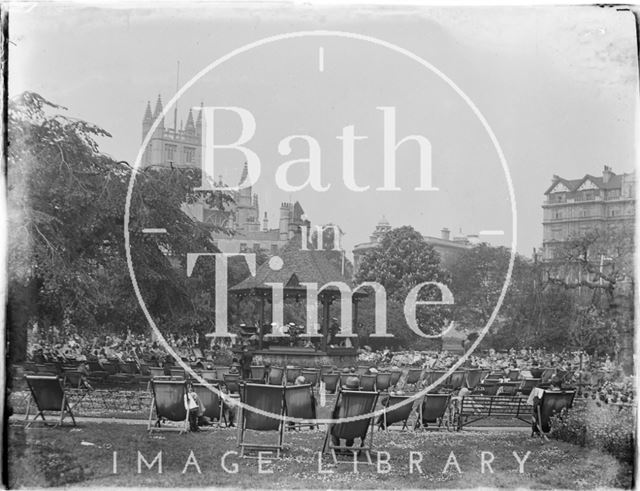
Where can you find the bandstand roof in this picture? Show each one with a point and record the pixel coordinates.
(298, 267)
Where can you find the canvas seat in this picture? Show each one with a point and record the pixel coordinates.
(311, 375)
(395, 377)
(299, 402)
(351, 404)
(268, 398)
(292, 374)
(331, 381)
(275, 375)
(473, 378)
(383, 381)
(232, 382)
(431, 410)
(211, 401)
(47, 392)
(552, 403)
(398, 415)
(257, 372)
(169, 404)
(413, 377)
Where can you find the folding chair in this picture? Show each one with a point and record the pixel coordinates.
(509, 388)
(169, 404)
(268, 398)
(472, 378)
(232, 382)
(528, 384)
(546, 375)
(48, 394)
(209, 375)
(536, 372)
(399, 415)
(368, 382)
(383, 381)
(432, 375)
(293, 374)
(456, 379)
(211, 401)
(551, 403)
(275, 376)
(431, 410)
(413, 377)
(331, 381)
(362, 370)
(178, 372)
(351, 404)
(257, 372)
(156, 372)
(514, 374)
(311, 375)
(395, 377)
(299, 402)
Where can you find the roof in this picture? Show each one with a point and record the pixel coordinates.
(298, 267)
(615, 182)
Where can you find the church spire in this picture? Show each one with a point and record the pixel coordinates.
(148, 117)
(190, 127)
(245, 173)
(158, 111)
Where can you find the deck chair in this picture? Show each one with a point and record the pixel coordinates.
(269, 398)
(552, 403)
(177, 372)
(368, 382)
(509, 388)
(211, 401)
(546, 375)
(47, 392)
(536, 372)
(275, 376)
(349, 404)
(528, 385)
(300, 402)
(331, 381)
(169, 404)
(472, 378)
(413, 377)
(395, 377)
(156, 372)
(514, 374)
(209, 375)
(257, 371)
(232, 382)
(431, 410)
(383, 381)
(362, 370)
(432, 375)
(293, 374)
(311, 375)
(399, 415)
(456, 379)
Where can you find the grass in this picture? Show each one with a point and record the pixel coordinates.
(40, 457)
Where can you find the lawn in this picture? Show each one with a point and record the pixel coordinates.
(84, 457)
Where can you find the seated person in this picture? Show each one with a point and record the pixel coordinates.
(352, 383)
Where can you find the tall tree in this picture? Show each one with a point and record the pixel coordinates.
(401, 261)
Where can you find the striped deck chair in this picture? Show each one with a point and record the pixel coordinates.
(331, 381)
(275, 375)
(398, 415)
(300, 402)
(349, 404)
(269, 398)
(383, 381)
(431, 410)
(47, 392)
(552, 403)
(169, 404)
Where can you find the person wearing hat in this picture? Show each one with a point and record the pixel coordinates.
(245, 362)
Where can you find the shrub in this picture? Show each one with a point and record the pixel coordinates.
(607, 427)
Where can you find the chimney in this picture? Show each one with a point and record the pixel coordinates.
(265, 222)
(607, 173)
(445, 233)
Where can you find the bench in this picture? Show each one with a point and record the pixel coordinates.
(476, 407)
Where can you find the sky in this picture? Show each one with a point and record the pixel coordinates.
(557, 86)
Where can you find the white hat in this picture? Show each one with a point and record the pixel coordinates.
(274, 324)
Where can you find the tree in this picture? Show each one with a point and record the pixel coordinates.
(401, 261)
(67, 263)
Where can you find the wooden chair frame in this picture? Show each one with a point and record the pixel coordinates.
(41, 400)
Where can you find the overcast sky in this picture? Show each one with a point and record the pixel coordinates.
(557, 85)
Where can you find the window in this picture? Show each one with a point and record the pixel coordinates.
(170, 151)
(256, 247)
(274, 249)
(189, 155)
(557, 215)
(614, 194)
(243, 247)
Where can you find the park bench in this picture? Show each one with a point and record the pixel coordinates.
(474, 408)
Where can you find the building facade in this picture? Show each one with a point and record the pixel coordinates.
(449, 248)
(173, 147)
(574, 207)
